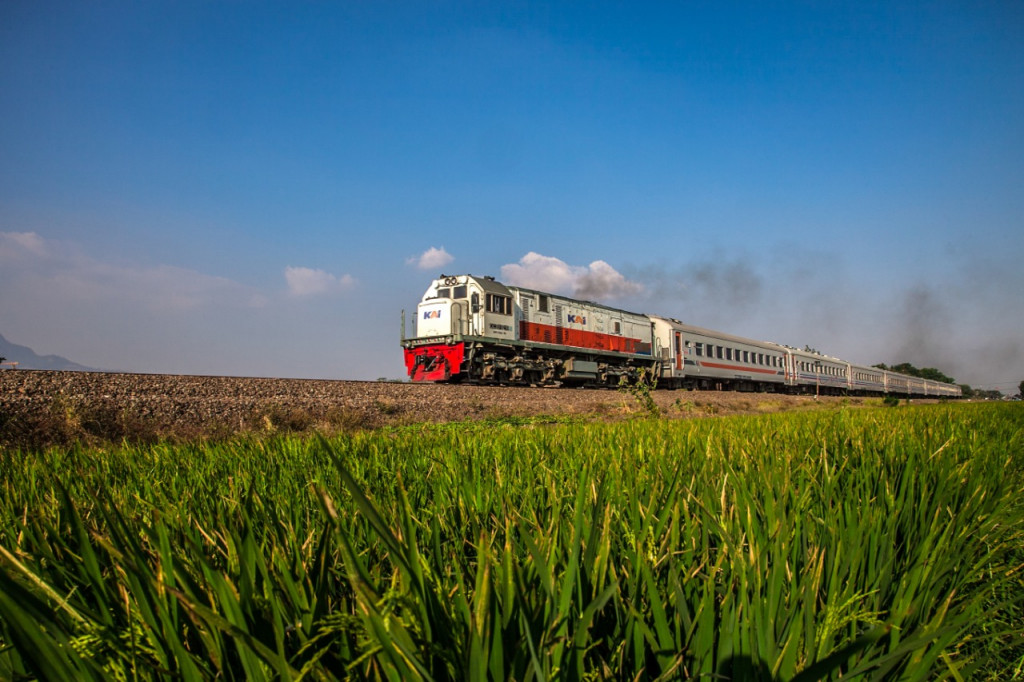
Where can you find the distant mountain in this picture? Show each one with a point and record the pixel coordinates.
(28, 359)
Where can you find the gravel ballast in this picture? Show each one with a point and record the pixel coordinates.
(113, 406)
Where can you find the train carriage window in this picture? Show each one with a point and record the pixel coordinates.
(699, 349)
(718, 352)
(543, 304)
(746, 356)
(618, 327)
(728, 353)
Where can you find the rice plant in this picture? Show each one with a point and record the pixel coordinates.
(864, 544)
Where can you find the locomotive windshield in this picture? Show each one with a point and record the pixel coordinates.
(457, 292)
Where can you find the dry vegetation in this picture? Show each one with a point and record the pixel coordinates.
(40, 408)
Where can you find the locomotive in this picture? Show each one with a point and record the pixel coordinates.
(476, 329)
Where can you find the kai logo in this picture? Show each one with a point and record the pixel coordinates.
(432, 315)
(577, 319)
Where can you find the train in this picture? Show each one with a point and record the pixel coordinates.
(477, 330)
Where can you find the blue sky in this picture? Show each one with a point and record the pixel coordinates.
(251, 188)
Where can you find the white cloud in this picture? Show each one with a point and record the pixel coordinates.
(597, 281)
(310, 282)
(43, 270)
(431, 259)
(602, 281)
(30, 242)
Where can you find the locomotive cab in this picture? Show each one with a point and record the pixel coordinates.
(455, 310)
(465, 305)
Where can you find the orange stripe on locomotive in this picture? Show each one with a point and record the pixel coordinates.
(580, 338)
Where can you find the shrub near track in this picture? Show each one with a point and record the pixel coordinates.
(870, 544)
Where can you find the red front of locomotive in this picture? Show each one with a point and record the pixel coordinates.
(438, 362)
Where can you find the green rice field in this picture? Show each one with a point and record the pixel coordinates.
(861, 544)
